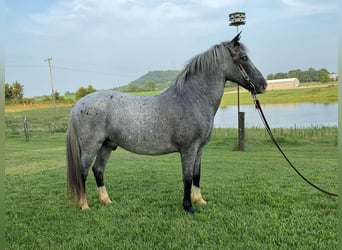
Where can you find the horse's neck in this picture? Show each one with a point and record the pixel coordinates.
(207, 90)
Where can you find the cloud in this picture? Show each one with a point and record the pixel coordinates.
(308, 7)
(143, 16)
(126, 11)
(218, 3)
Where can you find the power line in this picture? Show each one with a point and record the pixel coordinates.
(59, 67)
(24, 66)
(83, 70)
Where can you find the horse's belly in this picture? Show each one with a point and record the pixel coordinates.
(145, 142)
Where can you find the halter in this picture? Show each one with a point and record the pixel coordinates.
(242, 70)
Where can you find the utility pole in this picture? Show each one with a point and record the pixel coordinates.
(52, 89)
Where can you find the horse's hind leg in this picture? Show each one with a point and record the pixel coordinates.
(86, 160)
(196, 191)
(98, 170)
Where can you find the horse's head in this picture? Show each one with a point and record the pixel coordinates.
(241, 69)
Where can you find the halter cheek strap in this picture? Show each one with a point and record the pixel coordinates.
(242, 70)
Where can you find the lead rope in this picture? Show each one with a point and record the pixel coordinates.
(264, 121)
(268, 129)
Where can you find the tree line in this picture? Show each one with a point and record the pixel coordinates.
(14, 94)
(309, 75)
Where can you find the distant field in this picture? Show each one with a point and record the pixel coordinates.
(321, 93)
(255, 201)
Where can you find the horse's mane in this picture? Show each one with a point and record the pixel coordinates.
(204, 62)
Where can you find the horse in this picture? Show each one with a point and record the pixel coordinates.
(179, 119)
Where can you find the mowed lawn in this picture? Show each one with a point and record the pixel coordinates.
(255, 201)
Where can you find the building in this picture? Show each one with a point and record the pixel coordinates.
(288, 83)
(333, 76)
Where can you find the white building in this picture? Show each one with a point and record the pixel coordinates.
(288, 83)
(333, 76)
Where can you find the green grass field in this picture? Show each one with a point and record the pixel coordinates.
(255, 201)
(323, 94)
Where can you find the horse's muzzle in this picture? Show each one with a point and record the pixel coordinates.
(260, 89)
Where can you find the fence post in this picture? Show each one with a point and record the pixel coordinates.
(241, 131)
(26, 128)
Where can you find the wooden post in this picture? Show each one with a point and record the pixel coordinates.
(26, 128)
(241, 131)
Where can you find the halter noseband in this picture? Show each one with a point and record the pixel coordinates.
(242, 69)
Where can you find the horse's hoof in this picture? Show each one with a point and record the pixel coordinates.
(189, 209)
(201, 201)
(83, 204)
(196, 196)
(83, 208)
(103, 196)
(106, 201)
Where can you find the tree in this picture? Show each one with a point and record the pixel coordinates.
(313, 75)
(14, 92)
(67, 93)
(324, 75)
(8, 92)
(309, 75)
(84, 91)
(58, 97)
(270, 77)
(149, 86)
(90, 89)
(131, 88)
(17, 91)
(294, 73)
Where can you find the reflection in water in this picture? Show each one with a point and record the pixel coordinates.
(301, 115)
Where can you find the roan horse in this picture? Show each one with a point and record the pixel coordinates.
(180, 119)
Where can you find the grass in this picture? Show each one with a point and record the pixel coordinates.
(255, 201)
(324, 94)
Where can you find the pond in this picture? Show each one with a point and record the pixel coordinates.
(300, 115)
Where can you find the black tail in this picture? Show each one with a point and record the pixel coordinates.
(75, 185)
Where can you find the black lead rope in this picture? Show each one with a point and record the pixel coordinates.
(252, 89)
(268, 129)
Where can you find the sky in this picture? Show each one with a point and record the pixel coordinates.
(109, 43)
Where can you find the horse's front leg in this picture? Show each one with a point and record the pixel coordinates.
(196, 191)
(188, 157)
(98, 170)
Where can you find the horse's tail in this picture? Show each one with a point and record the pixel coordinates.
(74, 179)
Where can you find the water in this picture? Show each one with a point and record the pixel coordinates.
(300, 115)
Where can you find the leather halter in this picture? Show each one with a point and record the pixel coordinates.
(242, 69)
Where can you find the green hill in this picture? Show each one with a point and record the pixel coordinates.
(157, 76)
(153, 80)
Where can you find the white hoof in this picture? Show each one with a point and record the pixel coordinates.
(103, 196)
(83, 203)
(196, 196)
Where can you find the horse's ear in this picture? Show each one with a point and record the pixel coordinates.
(236, 39)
